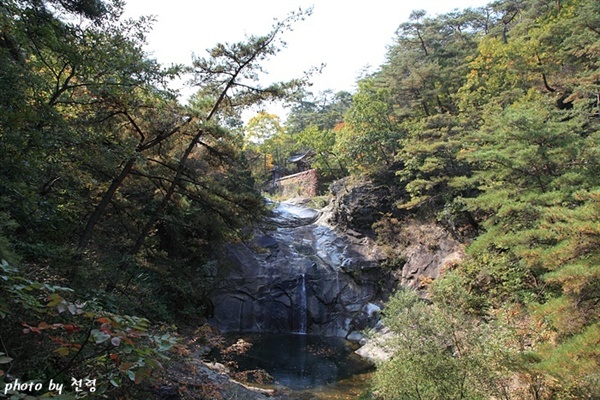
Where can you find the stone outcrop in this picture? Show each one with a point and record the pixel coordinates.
(301, 276)
(423, 246)
(358, 203)
(201, 380)
(374, 348)
(321, 272)
(429, 250)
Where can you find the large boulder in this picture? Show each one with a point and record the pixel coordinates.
(358, 203)
(429, 250)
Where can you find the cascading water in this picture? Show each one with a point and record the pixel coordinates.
(302, 307)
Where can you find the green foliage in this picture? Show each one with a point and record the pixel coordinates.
(528, 146)
(439, 353)
(574, 364)
(51, 336)
(498, 111)
(325, 111)
(322, 144)
(429, 155)
(428, 62)
(312, 127)
(369, 139)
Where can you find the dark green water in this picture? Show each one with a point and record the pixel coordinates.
(304, 365)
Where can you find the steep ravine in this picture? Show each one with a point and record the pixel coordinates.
(319, 272)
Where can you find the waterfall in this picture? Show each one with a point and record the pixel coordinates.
(303, 306)
(298, 256)
(241, 318)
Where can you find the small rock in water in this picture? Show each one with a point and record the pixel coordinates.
(355, 337)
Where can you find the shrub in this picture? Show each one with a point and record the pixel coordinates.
(48, 336)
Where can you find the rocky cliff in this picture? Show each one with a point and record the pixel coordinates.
(416, 245)
(328, 271)
(299, 276)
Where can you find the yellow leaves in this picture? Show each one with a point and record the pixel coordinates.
(63, 351)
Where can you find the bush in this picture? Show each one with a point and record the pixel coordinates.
(439, 353)
(48, 336)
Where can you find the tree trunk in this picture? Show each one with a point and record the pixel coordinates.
(118, 180)
(101, 207)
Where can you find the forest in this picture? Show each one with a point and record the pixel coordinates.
(115, 196)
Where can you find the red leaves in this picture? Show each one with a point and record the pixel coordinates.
(106, 328)
(42, 326)
(115, 358)
(116, 336)
(71, 328)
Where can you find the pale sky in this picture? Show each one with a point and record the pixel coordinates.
(347, 35)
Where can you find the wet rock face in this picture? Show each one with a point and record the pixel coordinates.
(320, 272)
(301, 276)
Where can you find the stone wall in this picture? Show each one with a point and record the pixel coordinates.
(302, 184)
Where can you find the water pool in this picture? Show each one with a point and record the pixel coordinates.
(303, 365)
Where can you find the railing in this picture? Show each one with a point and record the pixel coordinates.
(297, 175)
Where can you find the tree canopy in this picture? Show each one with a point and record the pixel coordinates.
(114, 194)
(115, 198)
(496, 115)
